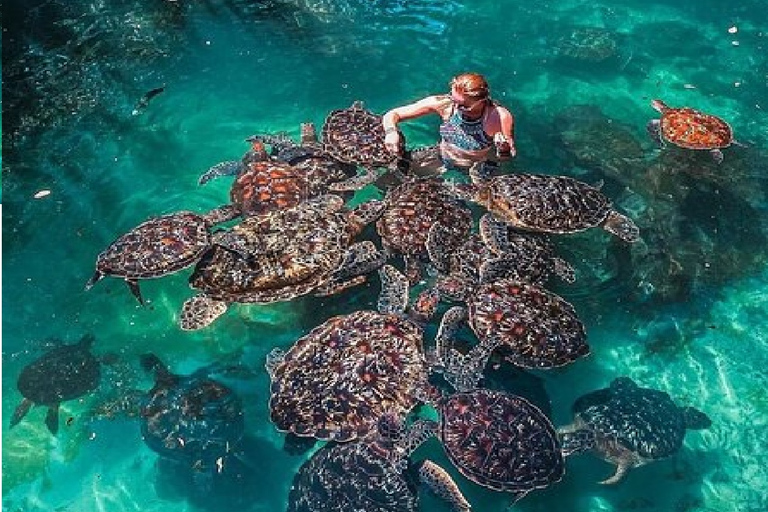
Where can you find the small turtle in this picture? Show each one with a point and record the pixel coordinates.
(549, 204)
(309, 248)
(498, 252)
(629, 426)
(532, 327)
(355, 135)
(61, 374)
(158, 247)
(371, 475)
(412, 209)
(337, 381)
(691, 129)
(190, 418)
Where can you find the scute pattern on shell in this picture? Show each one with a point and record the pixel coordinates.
(289, 253)
(551, 204)
(350, 476)
(267, 186)
(500, 441)
(335, 382)
(537, 328)
(412, 209)
(355, 135)
(691, 129)
(156, 247)
(194, 419)
(645, 421)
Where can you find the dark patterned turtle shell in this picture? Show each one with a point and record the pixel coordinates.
(692, 129)
(645, 421)
(337, 381)
(535, 327)
(267, 186)
(355, 135)
(282, 255)
(351, 476)
(500, 441)
(192, 418)
(157, 247)
(413, 208)
(553, 204)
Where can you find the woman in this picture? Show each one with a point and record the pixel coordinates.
(473, 124)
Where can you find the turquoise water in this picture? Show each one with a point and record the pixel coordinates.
(683, 311)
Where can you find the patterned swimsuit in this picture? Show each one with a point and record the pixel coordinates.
(464, 138)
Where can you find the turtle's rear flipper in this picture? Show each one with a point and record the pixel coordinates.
(229, 168)
(443, 486)
(52, 419)
(21, 411)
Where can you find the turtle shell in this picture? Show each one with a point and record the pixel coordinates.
(267, 185)
(413, 207)
(337, 381)
(351, 476)
(193, 419)
(280, 256)
(500, 441)
(157, 247)
(536, 328)
(533, 255)
(691, 129)
(645, 421)
(550, 204)
(63, 373)
(355, 135)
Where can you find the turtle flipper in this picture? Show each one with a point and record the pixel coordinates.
(52, 418)
(437, 248)
(618, 476)
(133, 285)
(695, 419)
(200, 311)
(495, 233)
(95, 278)
(229, 168)
(394, 291)
(564, 270)
(654, 130)
(337, 285)
(368, 176)
(21, 411)
(443, 486)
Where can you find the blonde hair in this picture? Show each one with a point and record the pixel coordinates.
(471, 84)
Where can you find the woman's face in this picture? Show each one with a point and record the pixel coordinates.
(463, 102)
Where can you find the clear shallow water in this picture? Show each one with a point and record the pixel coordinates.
(684, 311)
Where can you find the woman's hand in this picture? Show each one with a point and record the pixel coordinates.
(504, 149)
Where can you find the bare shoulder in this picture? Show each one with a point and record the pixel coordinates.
(430, 104)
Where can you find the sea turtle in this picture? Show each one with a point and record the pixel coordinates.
(355, 135)
(336, 382)
(543, 203)
(412, 209)
(158, 247)
(371, 475)
(498, 251)
(691, 129)
(588, 45)
(629, 426)
(193, 419)
(308, 248)
(531, 326)
(64, 373)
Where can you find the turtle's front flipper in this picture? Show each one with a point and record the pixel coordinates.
(52, 418)
(97, 276)
(229, 168)
(21, 411)
(443, 486)
(133, 285)
(394, 291)
(621, 472)
(717, 155)
(654, 130)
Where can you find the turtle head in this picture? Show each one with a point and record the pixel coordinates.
(86, 342)
(621, 226)
(695, 419)
(659, 105)
(308, 134)
(151, 363)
